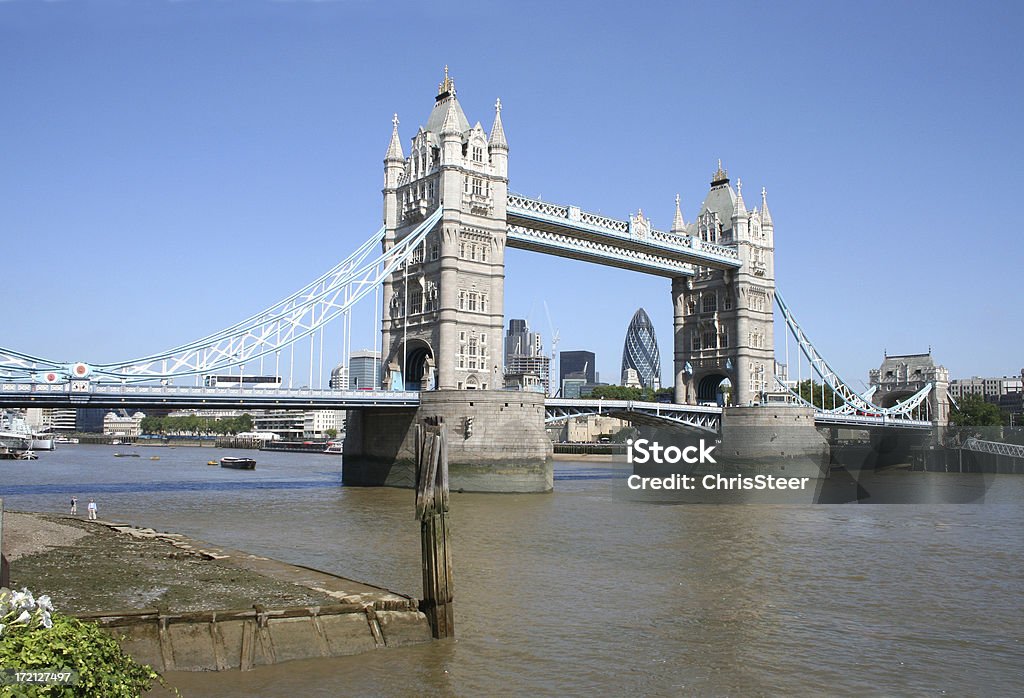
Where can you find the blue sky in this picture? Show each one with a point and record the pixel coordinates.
(172, 167)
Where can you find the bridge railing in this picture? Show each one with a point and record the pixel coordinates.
(107, 389)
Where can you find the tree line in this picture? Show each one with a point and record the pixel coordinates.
(193, 424)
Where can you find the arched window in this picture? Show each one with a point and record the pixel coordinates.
(709, 302)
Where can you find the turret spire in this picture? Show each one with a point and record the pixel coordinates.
(445, 87)
(721, 176)
(678, 224)
(497, 139)
(766, 216)
(395, 147)
(451, 121)
(741, 208)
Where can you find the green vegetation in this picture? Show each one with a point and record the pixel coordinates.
(34, 638)
(621, 392)
(812, 391)
(191, 424)
(975, 412)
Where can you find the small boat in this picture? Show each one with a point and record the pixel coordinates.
(212, 462)
(27, 455)
(154, 457)
(237, 463)
(126, 455)
(335, 447)
(115, 442)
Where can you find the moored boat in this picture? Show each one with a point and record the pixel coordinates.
(238, 463)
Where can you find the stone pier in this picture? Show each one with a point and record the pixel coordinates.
(496, 442)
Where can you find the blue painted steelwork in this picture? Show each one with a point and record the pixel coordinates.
(568, 231)
(848, 395)
(295, 318)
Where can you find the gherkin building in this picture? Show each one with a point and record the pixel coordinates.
(640, 351)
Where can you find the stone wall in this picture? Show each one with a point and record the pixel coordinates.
(773, 439)
(506, 449)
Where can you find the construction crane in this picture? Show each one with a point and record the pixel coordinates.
(552, 372)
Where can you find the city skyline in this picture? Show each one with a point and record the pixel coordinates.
(143, 176)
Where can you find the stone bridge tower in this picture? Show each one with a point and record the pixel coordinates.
(445, 308)
(902, 375)
(723, 320)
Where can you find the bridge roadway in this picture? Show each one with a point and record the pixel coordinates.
(142, 396)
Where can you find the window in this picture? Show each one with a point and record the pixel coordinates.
(727, 301)
(709, 303)
(462, 250)
(434, 252)
(472, 302)
(708, 340)
(478, 186)
(483, 253)
(723, 339)
(695, 342)
(462, 300)
(416, 301)
(472, 252)
(478, 153)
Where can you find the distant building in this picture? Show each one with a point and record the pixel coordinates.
(578, 362)
(295, 425)
(526, 367)
(991, 389)
(339, 378)
(364, 370)
(640, 351)
(122, 424)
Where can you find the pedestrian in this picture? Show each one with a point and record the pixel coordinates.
(74, 506)
(92, 510)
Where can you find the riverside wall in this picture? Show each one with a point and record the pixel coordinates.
(504, 450)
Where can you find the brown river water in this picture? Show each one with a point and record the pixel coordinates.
(581, 592)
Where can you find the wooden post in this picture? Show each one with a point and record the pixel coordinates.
(432, 511)
(5, 569)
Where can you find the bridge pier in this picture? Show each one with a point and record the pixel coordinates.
(496, 442)
(774, 438)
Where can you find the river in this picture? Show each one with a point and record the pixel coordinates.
(582, 592)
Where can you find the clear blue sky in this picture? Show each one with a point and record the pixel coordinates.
(171, 167)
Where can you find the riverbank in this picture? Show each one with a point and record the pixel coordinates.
(183, 604)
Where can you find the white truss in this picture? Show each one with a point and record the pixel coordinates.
(296, 317)
(591, 251)
(851, 400)
(531, 217)
(998, 448)
(697, 416)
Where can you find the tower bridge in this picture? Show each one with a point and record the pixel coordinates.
(436, 272)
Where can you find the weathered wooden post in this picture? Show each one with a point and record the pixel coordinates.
(432, 511)
(5, 570)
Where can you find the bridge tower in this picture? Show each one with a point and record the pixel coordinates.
(445, 308)
(723, 320)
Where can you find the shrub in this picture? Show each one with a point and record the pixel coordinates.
(35, 638)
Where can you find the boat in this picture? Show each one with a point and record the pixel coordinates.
(211, 462)
(126, 455)
(27, 455)
(42, 442)
(154, 457)
(237, 463)
(115, 442)
(335, 447)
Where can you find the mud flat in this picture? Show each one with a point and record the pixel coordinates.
(182, 604)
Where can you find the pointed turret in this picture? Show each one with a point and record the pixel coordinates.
(678, 224)
(497, 139)
(395, 153)
(741, 208)
(451, 121)
(766, 216)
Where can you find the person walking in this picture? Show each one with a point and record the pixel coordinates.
(74, 506)
(92, 510)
